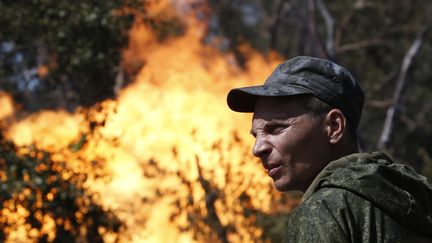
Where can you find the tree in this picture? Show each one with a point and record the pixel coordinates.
(61, 53)
(370, 38)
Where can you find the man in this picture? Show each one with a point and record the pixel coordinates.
(305, 123)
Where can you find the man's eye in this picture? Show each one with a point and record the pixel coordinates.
(275, 130)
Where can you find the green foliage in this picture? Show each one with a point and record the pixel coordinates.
(79, 43)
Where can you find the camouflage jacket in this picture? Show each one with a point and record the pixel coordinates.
(364, 197)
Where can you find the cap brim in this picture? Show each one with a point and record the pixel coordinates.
(244, 99)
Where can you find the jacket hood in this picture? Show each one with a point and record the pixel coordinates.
(394, 188)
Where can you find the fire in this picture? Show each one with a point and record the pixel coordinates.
(39, 128)
(173, 133)
(6, 105)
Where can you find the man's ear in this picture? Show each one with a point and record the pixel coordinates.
(335, 123)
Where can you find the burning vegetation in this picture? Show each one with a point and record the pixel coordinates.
(153, 154)
(162, 162)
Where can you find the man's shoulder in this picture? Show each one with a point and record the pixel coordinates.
(339, 204)
(340, 215)
(317, 219)
(329, 200)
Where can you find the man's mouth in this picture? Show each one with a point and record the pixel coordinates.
(274, 170)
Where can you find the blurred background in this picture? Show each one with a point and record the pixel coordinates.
(114, 125)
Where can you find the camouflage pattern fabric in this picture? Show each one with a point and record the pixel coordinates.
(364, 197)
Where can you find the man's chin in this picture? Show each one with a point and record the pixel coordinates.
(284, 186)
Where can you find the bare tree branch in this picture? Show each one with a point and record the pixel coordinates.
(380, 104)
(392, 75)
(119, 80)
(360, 45)
(346, 19)
(317, 42)
(330, 28)
(378, 40)
(387, 130)
(275, 21)
(210, 198)
(343, 26)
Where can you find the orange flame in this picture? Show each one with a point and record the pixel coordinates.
(173, 115)
(6, 105)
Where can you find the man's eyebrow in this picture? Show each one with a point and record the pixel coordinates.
(270, 123)
(273, 123)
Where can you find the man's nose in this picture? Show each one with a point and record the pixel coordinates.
(261, 147)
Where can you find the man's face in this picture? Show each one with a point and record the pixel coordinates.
(291, 142)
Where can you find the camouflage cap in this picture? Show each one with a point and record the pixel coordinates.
(323, 79)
